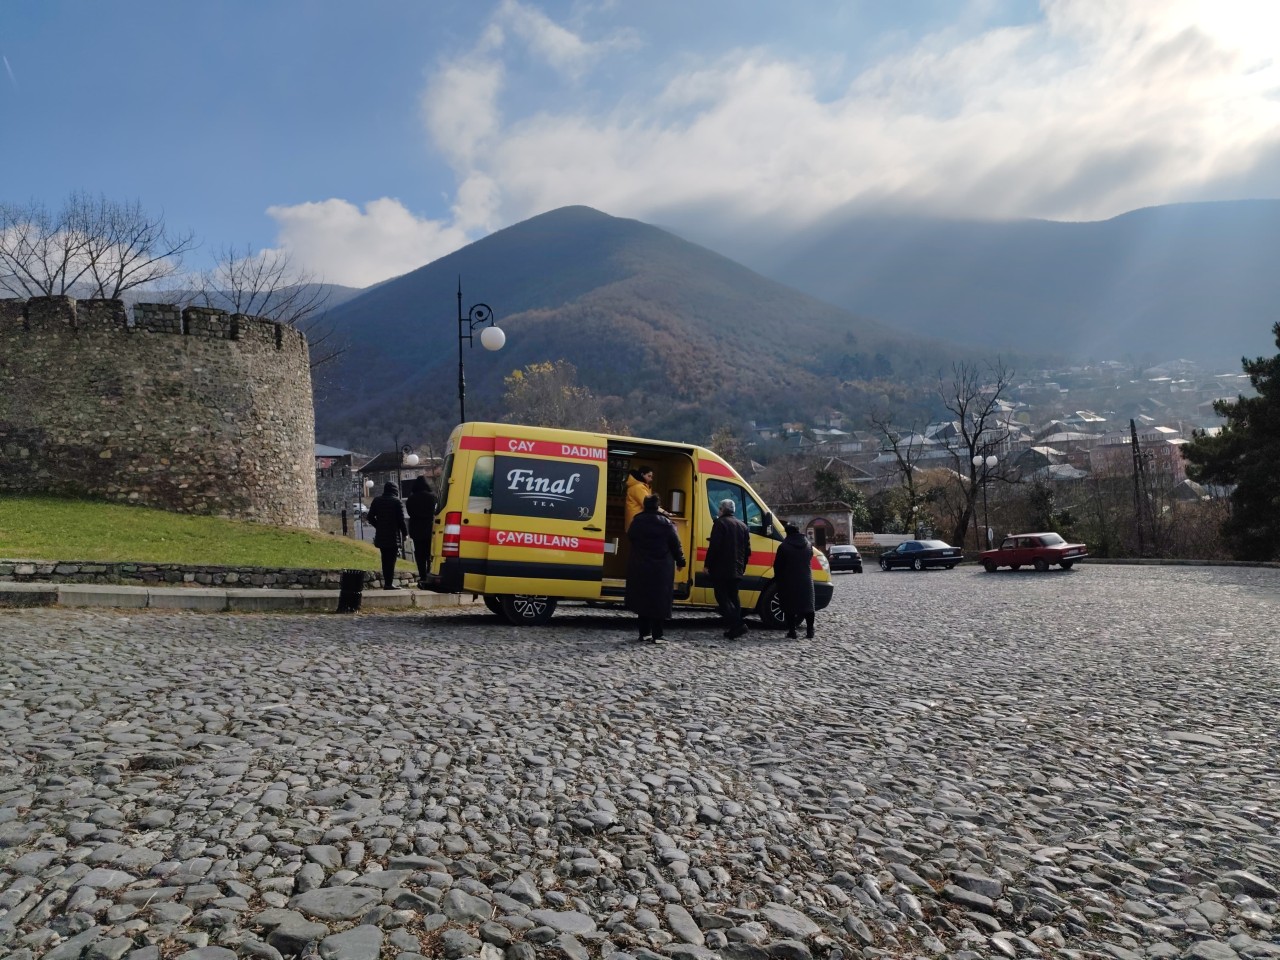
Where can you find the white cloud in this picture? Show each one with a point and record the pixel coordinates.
(340, 243)
(561, 48)
(1097, 107)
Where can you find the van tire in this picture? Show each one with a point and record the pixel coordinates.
(525, 610)
(770, 611)
(494, 603)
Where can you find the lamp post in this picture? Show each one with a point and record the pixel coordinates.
(491, 338)
(986, 464)
(407, 459)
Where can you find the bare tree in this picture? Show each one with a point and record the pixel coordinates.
(972, 395)
(39, 256)
(92, 247)
(905, 451)
(267, 284)
(788, 479)
(730, 446)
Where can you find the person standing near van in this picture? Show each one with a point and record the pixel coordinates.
(651, 569)
(793, 573)
(422, 511)
(728, 551)
(386, 513)
(639, 486)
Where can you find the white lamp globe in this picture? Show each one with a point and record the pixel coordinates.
(977, 460)
(411, 460)
(992, 461)
(368, 486)
(492, 338)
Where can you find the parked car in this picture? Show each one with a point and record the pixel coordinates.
(1040, 550)
(844, 556)
(918, 554)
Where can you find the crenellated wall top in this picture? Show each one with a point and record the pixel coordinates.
(54, 315)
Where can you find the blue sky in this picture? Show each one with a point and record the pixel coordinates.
(367, 139)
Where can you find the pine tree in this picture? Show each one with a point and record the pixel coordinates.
(1245, 454)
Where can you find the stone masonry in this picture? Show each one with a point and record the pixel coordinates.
(194, 411)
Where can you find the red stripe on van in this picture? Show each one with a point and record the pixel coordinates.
(716, 469)
(757, 558)
(475, 534)
(476, 443)
(550, 448)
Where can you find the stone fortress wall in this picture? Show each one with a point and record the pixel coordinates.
(191, 410)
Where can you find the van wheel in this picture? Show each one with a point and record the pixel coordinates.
(495, 605)
(527, 611)
(772, 616)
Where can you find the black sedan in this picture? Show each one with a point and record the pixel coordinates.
(918, 554)
(845, 556)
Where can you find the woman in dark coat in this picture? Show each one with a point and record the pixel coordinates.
(386, 514)
(421, 506)
(794, 576)
(651, 569)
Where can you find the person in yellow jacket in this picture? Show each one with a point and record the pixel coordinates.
(639, 486)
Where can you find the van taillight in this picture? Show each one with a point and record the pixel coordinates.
(452, 535)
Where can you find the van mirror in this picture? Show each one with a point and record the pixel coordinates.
(768, 525)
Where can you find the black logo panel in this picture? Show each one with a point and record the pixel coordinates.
(524, 487)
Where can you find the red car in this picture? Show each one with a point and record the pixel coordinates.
(1039, 550)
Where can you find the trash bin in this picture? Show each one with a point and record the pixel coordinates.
(350, 589)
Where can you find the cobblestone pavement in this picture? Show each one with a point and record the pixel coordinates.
(960, 764)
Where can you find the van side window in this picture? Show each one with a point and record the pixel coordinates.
(445, 473)
(745, 507)
(480, 496)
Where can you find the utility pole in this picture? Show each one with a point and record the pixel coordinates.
(1139, 484)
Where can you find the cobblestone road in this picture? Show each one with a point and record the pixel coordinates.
(960, 764)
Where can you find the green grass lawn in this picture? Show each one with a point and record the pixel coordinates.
(48, 528)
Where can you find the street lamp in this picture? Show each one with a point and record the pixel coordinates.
(986, 464)
(491, 338)
(407, 459)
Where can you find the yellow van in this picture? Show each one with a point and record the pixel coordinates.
(529, 516)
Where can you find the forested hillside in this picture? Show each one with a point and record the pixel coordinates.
(680, 339)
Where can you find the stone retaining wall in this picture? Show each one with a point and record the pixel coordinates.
(177, 574)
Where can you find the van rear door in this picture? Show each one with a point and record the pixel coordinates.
(546, 522)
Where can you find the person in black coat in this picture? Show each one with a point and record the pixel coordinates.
(651, 569)
(422, 512)
(728, 550)
(386, 513)
(793, 573)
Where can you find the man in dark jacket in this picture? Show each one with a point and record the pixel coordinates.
(386, 513)
(422, 511)
(727, 554)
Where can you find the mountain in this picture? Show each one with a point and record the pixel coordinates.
(1186, 280)
(681, 338)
